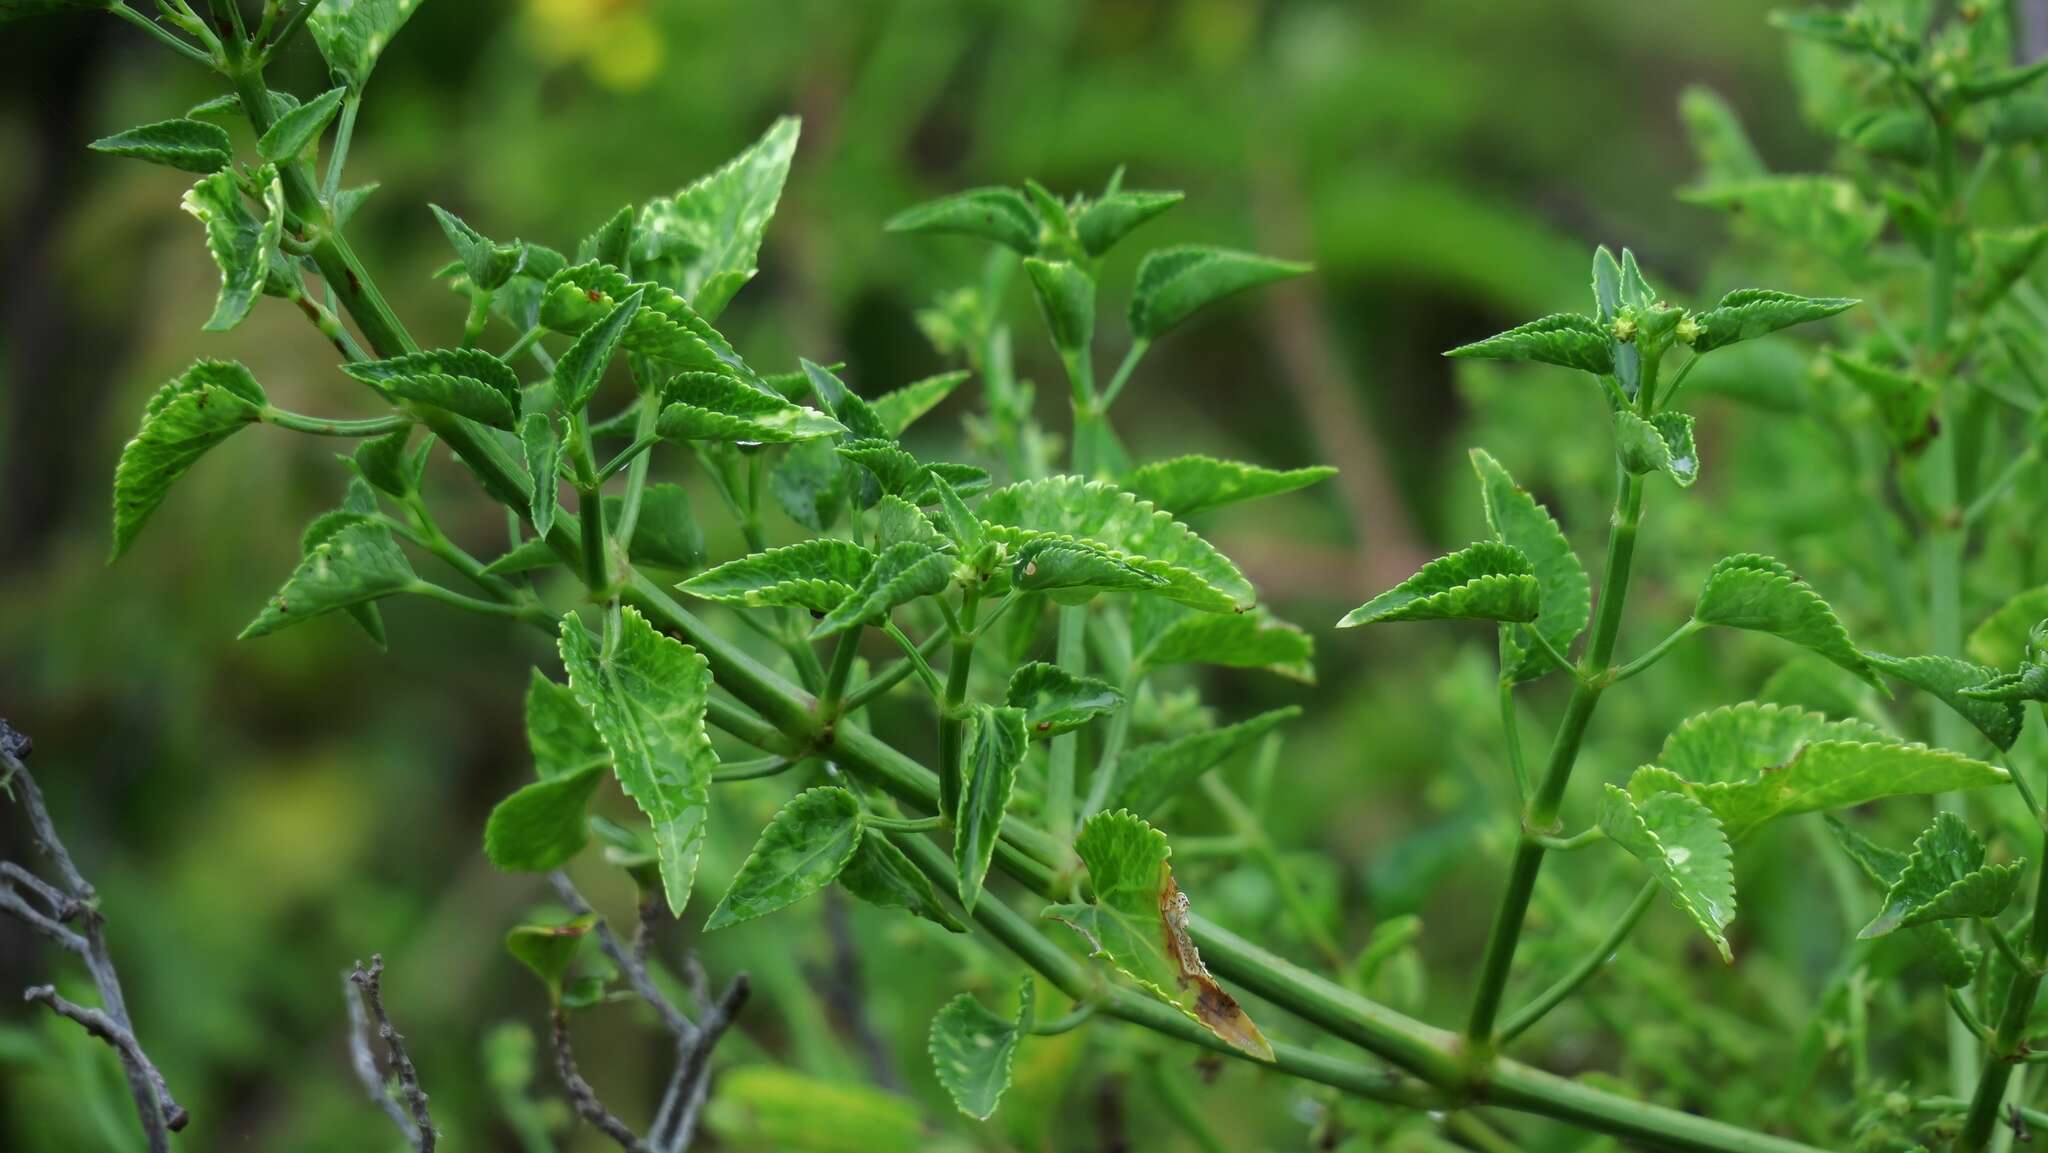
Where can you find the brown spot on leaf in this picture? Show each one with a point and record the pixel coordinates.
(1214, 1006)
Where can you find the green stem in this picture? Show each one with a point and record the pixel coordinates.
(1582, 972)
(951, 714)
(890, 677)
(1081, 1015)
(2007, 1041)
(843, 656)
(914, 656)
(526, 340)
(1072, 655)
(1540, 815)
(527, 613)
(169, 38)
(1657, 653)
(641, 460)
(1511, 732)
(898, 825)
(754, 770)
(1123, 372)
(321, 426)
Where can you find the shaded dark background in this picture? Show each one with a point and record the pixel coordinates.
(258, 814)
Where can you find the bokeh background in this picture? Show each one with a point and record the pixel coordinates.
(259, 814)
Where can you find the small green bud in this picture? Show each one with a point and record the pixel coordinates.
(1624, 326)
(1688, 329)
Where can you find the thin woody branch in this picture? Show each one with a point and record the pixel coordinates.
(367, 997)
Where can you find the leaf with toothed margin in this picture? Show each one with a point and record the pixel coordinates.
(895, 470)
(353, 33)
(297, 130)
(1164, 633)
(1521, 523)
(1132, 530)
(241, 244)
(1565, 339)
(1149, 776)
(714, 406)
(1945, 878)
(1681, 842)
(898, 521)
(900, 575)
(647, 699)
(1104, 221)
(1074, 571)
(358, 506)
(1174, 283)
(188, 145)
(543, 457)
(703, 242)
(882, 875)
(1949, 679)
(803, 849)
(1187, 485)
(900, 409)
(993, 742)
(1663, 443)
(1754, 592)
(1748, 313)
(189, 415)
(666, 328)
(466, 381)
(581, 368)
(1056, 701)
(998, 214)
(1138, 921)
(1486, 580)
(817, 575)
(1953, 963)
(358, 564)
(1904, 403)
(2001, 641)
(972, 1049)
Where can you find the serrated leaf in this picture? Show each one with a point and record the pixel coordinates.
(187, 145)
(1151, 775)
(959, 522)
(543, 459)
(612, 243)
(191, 413)
(900, 575)
(298, 129)
(993, 742)
(817, 575)
(560, 733)
(666, 328)
(1754, 592)
(1074, 571)
(1948, 679)
(1138, 922)
(897, 521)
(1954, 964)
(1904, 403)
(1945, 878)
(581, 368)
(1056, 701)
(667, 534)
(1748, 313)
(1565, 339)
(549, 950)
(811, 484)
(490, 265)
(881, 875)
(2001, 640)
(359, 564)
(1996, 82)
(998, 214)
(543, 825)
(1066, 298)
(1187, 485)
(1682, 844)
(901, 408)
(972, 1049)
(2001, 257)
(802, 850)
(703, 241)
(713, 406)
(1133, 530)
(1173, 283)
(382, 462)
(1105, 221)
(240, 243)
(646, 699)
(353, 33)
(1606, 285)
(1737, 742)
(1486, 580)
(1521, 523)
(895, 470)
(467, 381)
(1165, 634)
(1663, 443)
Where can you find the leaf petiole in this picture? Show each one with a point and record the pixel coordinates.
(322, 426)
(1658, 652)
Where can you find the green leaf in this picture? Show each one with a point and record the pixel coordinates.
(1133, 530)
(1066, 297)
(187, 145)
(998, 214)
(543, 825)
(703, 241)
(713, 406)
(2019, 120)
(1565, 339)
(801, 851)
(900, 409)
(2001, 641)
(353, 33)
(1997, 82)
(901, 574)
(1056, 701)
(1827, 213)
(894, 470)
(1754, 763)
(1662, 443)
(467, 381)
(300, 128)
(972, 1048)
(1682, 844)
(1151, 775)
(1173, 283)
(1954, 964)
(543, 460)
(612, 243)
(897, 521)
(357, 506)
(1104, 222)
(1186, 485)
(1749, 591)
(359, 564)
(1945, 878)
(1521, 523)
(1748, 313)
(993, 743)
(960, 523)
(1486, 580)
(1948, 679)
(240, 243)
(549, 950)
(490, 265)
(382, 461)
(1138, 922)
(559, 732)
(811, 484)
(2001, 258)
(1165, 634)
(1074, 571)
(666, 328)
(581, 368)
(667, 534)
(817, 575)
(191, 413)
(1904, 403)
(1904, 135)
(881, 875)
(647, 700)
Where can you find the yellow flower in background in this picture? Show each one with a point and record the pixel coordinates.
(617, 40)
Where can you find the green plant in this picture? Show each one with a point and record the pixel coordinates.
(618, 347)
